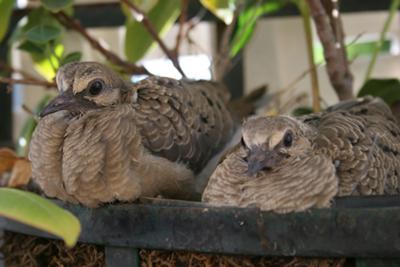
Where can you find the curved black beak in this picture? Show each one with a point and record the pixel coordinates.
(67, 101)
(261, 159)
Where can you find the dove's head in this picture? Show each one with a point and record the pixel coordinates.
(85, 86)
(270, 140)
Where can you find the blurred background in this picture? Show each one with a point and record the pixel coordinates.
(274, 54)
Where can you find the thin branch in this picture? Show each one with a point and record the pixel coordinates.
(73, 24)
(223, 58)
(182, 21)
(305, 14)
(7, 68)
(142, 18)
(34, 82)
(334, 51)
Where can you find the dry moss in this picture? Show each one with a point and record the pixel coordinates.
(29, 251)
(153, 258)
(21, 250)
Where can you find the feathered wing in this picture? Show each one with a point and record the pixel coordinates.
(362, 138)
(183, 121)
(296, 185)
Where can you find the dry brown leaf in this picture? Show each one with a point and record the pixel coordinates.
(7, 159)
(21, 173)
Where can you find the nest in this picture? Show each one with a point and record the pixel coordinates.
(29, 251)
(153, 258)
(21, 250)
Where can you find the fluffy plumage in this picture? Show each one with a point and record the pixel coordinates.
(104, 139)
(287, 164)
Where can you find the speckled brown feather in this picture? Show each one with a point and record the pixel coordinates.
(183, 121)
(351, 149)
(145, 139)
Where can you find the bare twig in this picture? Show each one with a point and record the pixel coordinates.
(35, 82)
(150, 28)
(334, 50)
(73, 24)
(182, 21)
(223, 60)
(305, 14)
(7, 68)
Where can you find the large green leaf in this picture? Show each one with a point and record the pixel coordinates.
(387, 89)
(56, 5)
(222, 9)
(42, 33)
(33, 210)
(247, 22)
(137, 39)
(6, 7)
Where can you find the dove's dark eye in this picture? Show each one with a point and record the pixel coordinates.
(288, 139)
(96, 87)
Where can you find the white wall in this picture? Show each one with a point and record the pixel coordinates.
(276, 55)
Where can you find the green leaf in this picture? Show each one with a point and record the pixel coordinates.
(387, 89)
(137, 39)
(38, 16)
(33, 210)
(42, 33)
(6, 7)
(302, 111)
(71, 57)
(32, 48)
(56, 5)
(48, 64)
(247, 21)
(144, 5)
(222, 9)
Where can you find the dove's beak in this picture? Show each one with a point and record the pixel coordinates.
(66, 101)
(261, 159)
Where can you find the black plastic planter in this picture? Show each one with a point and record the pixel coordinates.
(355, 227)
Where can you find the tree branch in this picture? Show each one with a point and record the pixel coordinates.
(223, 59)
(34, 82)
(150, 28)
(73, 24)
(334, 49)
(7, 68)
(182, 21)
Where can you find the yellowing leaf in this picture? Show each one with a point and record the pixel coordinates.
(21, 173)
(137, 39)
(7, 159)
(222, 9)
(47, 66)
(38, 212)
